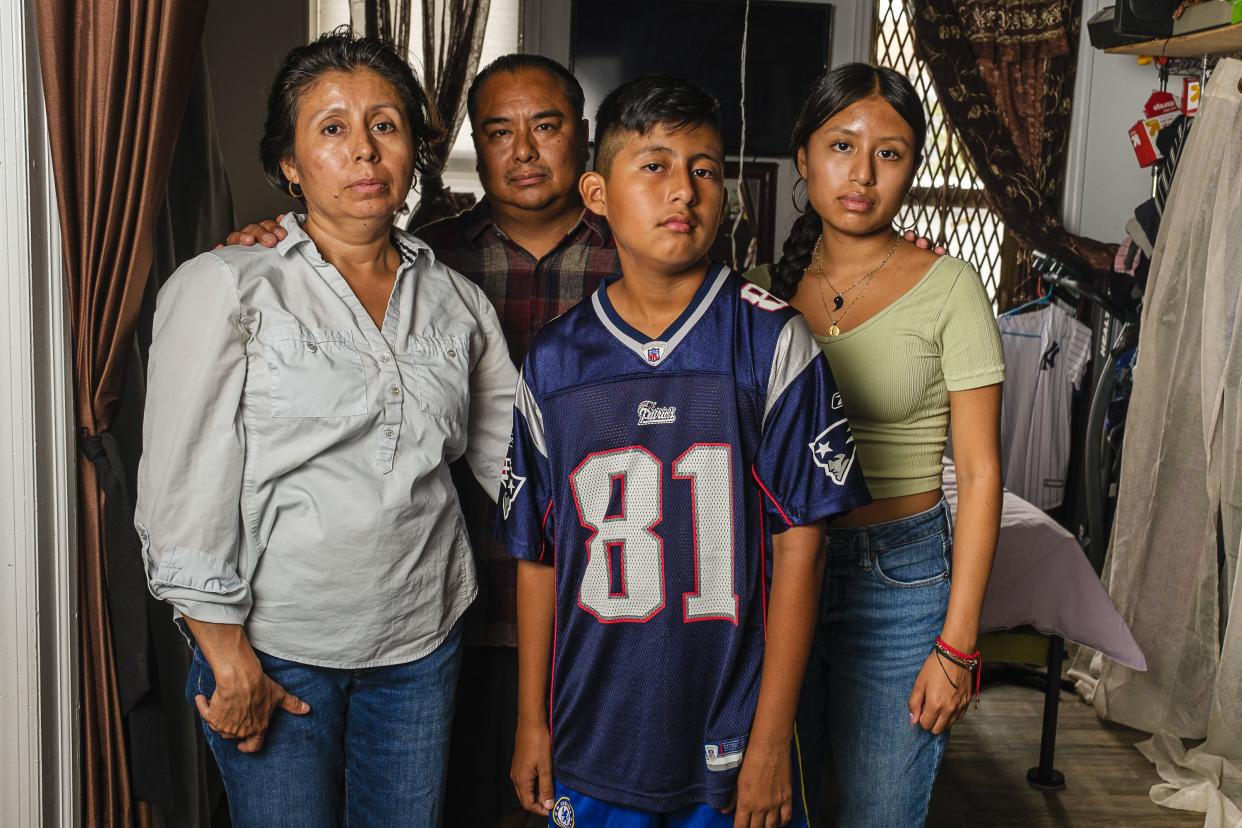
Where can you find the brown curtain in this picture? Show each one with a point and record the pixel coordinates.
(452, 42)
(116, 75)
(1004, 73)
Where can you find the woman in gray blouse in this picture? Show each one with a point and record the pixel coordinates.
(295, 504)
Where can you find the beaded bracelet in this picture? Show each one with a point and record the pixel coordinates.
(972, 662)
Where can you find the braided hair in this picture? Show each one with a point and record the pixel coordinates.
(833, 92)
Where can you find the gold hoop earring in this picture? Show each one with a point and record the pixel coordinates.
(292, 194)
(793, 195)
(914, 209)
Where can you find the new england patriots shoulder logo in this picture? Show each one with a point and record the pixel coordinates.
(510, 485)
(833, 451)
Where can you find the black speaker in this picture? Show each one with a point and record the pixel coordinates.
(1152, 18)
(1102, 29)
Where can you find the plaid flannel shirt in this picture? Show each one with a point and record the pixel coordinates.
(527, 293)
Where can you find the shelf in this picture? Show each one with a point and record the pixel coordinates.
(1221, 40)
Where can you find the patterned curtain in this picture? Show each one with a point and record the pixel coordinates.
(452, 42)
(387, 20)
(1004, 73)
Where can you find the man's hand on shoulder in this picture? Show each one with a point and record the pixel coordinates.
(921, 242)
(267, 232)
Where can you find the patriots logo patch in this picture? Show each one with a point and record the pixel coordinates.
(649, 412)
(510, 485)
(833, 451)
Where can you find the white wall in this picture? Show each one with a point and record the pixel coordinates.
(1103, 181)
(547, 32)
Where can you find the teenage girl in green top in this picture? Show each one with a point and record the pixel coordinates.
(913, 345)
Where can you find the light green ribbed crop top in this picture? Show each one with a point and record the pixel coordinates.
(895, 372)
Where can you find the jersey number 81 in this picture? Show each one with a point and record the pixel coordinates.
(630, 533)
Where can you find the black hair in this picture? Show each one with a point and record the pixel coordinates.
(518, 62)
(340, 50)
(647, 102)
(833, 92)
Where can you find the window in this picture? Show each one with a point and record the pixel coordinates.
(504, 22)
(946, 202)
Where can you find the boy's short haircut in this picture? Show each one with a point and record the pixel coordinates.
(519, 62)
(650, 101)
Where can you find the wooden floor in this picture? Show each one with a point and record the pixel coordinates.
(982, 783)
(983, 779)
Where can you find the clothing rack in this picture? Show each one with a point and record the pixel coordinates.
(1097, 468)
(1059, 277)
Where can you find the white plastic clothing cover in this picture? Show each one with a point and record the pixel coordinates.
(1181, 469)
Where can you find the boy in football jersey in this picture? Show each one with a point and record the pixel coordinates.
(678, 442)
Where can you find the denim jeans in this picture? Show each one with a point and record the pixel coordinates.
(886, 593)
(372, 751)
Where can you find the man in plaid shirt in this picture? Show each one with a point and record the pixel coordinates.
(531, 246)
(536, 252)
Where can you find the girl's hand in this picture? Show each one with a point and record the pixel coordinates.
(936, 704)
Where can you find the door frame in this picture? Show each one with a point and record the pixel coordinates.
(40, 741)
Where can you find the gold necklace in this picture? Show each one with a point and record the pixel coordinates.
(839, 299)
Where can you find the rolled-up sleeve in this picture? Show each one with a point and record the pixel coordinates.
(493, 382)
(188, 513)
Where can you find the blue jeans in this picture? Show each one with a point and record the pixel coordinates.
(886, 593)
(372, 751)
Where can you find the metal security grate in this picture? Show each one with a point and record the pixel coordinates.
(946, 202)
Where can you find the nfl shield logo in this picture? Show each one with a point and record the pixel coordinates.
(654, 353)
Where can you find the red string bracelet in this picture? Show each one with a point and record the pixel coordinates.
(972, 662)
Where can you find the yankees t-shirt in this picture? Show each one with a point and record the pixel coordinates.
(1046, 353)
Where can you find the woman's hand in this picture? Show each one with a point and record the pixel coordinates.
(245, 698)
(764, 789)
(531, 771)
(936, 704)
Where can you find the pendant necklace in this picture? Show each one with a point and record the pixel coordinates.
(838, 301)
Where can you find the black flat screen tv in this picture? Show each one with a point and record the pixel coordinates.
(789, 45)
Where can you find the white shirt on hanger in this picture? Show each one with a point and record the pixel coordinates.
(1046, 352)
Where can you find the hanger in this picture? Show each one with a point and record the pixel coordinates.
(1039, 302)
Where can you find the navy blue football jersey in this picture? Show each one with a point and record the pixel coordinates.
(652, 474)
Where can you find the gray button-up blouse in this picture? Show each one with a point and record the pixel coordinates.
(295, 476)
